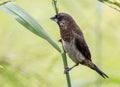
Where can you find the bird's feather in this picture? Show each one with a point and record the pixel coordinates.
(82, 46)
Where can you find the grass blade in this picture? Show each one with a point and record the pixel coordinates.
(27, 21)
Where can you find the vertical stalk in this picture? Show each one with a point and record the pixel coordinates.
(66, 65)
(64, 58)
(54, 3)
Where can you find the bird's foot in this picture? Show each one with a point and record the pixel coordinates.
(67, 69)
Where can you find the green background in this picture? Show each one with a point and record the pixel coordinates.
(29, 61)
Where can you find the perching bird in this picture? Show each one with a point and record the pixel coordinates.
(74, 43)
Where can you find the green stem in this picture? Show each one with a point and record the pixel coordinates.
(114, 3)
(64, 58)
(54, 3)
(65, 66)
(2, 3)
(111, 2)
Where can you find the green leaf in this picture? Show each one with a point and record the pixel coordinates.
(27, 21)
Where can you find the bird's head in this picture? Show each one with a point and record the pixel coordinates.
(62, 19)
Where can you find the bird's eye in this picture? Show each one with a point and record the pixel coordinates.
(59, 17)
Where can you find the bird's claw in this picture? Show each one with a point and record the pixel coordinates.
(67, 69)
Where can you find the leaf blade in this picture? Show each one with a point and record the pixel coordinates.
(27, 21)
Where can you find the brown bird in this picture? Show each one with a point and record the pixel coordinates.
(74, 43)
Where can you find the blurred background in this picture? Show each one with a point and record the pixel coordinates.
(28, 61)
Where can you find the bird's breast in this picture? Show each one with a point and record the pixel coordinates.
(72, 51)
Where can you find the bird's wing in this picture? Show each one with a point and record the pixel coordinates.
(82, 46)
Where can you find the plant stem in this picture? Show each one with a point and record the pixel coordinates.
(54, 3)
(66, 65)
(64, 58)
(114, 3)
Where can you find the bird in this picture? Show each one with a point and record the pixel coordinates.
(74, 44)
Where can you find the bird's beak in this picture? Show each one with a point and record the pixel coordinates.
(54, 19)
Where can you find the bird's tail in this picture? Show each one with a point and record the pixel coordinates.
(99, 71)
(94, 67)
